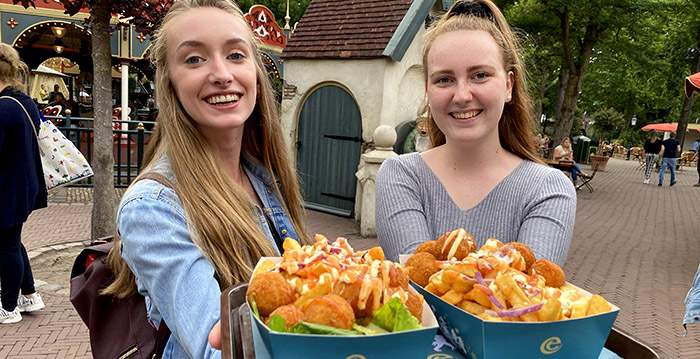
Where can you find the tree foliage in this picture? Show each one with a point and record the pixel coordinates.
(638, 54)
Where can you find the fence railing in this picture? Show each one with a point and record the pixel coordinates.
(129, 142)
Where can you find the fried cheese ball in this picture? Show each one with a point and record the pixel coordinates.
(331, 310)
(525, 251)
(552, 273)
(429, 246)
(420, 267)
(270, 291)
(455, 244)
(351, 293)
(289, 313)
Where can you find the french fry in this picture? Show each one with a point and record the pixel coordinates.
(471, 307)
(579, 308)
(597, 305)
(290, 244)
(550, 311)
(317, 291)
(453, 297)
(480, 294)
(377, 253)
(511, 291)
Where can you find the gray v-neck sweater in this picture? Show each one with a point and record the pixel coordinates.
(534, 204)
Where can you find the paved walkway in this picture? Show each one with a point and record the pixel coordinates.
(637, 245)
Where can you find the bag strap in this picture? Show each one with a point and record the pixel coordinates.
(25, 112)
(158, 178)
(163, 330)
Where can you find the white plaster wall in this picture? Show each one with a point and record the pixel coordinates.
(404, 88)
(363, 79)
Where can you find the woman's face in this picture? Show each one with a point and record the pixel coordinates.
(566, 143)
(212, 69)
(467, 85)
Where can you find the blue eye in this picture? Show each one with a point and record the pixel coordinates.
(236, 56)
(193, 60)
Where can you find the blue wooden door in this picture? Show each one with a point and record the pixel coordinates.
(329, 140)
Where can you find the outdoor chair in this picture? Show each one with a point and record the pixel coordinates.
(586, 181)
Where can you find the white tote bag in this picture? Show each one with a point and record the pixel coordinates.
(61, 160)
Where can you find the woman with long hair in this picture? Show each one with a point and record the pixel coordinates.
(652, 147)
(21, 184)
(564, 153)
(482, 173)
(231, 195)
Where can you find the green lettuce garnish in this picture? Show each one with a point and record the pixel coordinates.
(277, 323)
(311, 328)
(394, 317)
(254, 307)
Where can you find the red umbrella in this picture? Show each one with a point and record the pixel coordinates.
(663, 127)
(692, 83)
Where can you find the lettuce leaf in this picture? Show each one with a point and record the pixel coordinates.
(254, 307)
(311, 328)
(395, 317)
(277, 323)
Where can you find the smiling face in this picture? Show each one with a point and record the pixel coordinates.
(467, 85)
(212, 69)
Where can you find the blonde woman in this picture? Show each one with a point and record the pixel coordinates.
(21, 184)
(235, 196)
(652, 147)
(563, 152)
(482, 172)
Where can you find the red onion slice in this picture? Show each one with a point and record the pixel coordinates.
(494, 300)
(515, 312)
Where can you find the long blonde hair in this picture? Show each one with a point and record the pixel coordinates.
(517, 121)
(11, 67)
(219, 212)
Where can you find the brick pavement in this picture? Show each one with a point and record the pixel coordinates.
(638, 245)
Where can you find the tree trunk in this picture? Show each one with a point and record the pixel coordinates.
(688, 103)
(561, 88)
(104, 199)
(562, 128)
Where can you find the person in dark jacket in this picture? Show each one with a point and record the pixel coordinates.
(670, 149)
(22, 187)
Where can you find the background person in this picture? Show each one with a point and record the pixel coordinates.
(22, 186)
(235, 196)
(483, 164)
(652, 147)
(670, 149)
(563, 152)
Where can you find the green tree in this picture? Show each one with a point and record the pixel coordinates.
(580, 26)
(608, 123)
(279, 9)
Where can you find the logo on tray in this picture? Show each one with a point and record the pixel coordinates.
(550, 345)
(440, 356)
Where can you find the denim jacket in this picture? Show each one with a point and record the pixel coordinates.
(692, 303)
(171, 272)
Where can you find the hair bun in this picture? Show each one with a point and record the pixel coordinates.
(471, 8)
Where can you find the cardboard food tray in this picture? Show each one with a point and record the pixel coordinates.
(235, 318)
(292, 346)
